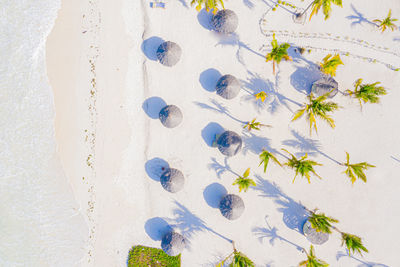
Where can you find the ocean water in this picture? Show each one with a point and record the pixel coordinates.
(40, 222)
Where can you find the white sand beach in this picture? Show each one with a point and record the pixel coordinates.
(108, 89)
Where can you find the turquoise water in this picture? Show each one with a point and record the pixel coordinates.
(40, 222)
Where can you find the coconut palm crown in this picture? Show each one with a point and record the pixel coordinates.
(317, 107)
(356, 170)
(239, 259)
(353, 243)
(244, 182)
(261, 95)
(265, 156)
(386, 22)
(326, 7)
(208, 5)
(367, 92)
(321, 223)
(302, 166)
(312, 260)
(254, 125)
(330, 63)
(278, 53)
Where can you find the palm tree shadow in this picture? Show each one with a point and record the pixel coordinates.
(255, 84)
(294, 213)
(358, 18)
(218, 107)
(398, 160)
(189, 224)
(341, 254)
(256, 144)
(272, 234)
(234, 40)
(248, 3)
(306, 145)
(183, 2)
(219, 168)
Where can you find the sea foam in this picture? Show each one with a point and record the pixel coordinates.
(40, 222)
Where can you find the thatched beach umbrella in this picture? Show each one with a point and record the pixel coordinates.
(313, 236)
(173, 243)
(169, 53)
(172, 180)
(325, 85)
(170, 116)
(231, 206)
(228, 86)
(225, 21)
(229, 143)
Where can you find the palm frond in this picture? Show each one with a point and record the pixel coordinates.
(356, 170)
(321, 223)
(278, 52)
(265, 156)
(312, 260)
(353, 243)
(302, 166)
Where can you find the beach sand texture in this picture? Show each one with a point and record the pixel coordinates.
(108, 88)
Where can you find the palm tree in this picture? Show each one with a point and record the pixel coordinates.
(366, 92)
(208, 4)
(330, 63)
(326, 7)
(278, 53)
(321, 223)
(254, 125)
(353, 243)
(312, 260)
(317, 107)
(302, 166)
(261, 95)
(356, 170)
(239, 259)
(386, 22)
(244, 182)
(265, 156)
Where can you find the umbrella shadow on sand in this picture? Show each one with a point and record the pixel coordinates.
(149, 47)
(209, 78)
(210, 131)
(152, 106)
(155, 168)
(294, 213)
(157, 227)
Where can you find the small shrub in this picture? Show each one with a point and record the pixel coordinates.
(141, 256)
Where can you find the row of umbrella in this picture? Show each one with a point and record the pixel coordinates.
(229, 143)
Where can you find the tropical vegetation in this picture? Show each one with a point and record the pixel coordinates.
(386, 23)
(265, 156)
(261, 95)
(321, 223)
(317, 108)
(353, 243)
(244, 182)
(238, 260)
(356, 170)
(330, 63)
(369, 92)
(302, 166)
(254, 125)
(326, 6)
(277, 53)
(312, 260)
(208, 5)
(141, 256)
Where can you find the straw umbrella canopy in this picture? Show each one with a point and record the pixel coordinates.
(313, 236)
(231, 206)
(325, 85)
(169, 53)
(229, 143)
(228, 86)
(172, 180)
(225, 21)
(173, 243)
(170, 116)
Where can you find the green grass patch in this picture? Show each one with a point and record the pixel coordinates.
(141, 256)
